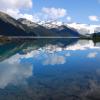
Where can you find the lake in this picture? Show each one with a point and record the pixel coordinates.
(50, 69)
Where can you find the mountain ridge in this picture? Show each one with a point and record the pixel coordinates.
(23, 27)
(12, 27)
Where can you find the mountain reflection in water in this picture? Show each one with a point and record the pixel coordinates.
(50, 69)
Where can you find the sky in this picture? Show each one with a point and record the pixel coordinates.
(79, 11)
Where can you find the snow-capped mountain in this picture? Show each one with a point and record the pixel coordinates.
(27, 22)
(83, 29)
(51, 28)
(24, 27)
(51, 24)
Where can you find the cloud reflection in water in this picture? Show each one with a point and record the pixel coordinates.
(12, 71)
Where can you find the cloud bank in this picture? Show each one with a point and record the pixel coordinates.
(54, 13)
(15, 4)
(14, 7)
(18, 8)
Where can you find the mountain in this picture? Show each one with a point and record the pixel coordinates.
(65, 31)
(39, 30)
(11, 27)
(76, 29)
(23, 27)
(61, 29)
(50, 30)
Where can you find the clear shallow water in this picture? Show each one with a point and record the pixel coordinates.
(50, 69)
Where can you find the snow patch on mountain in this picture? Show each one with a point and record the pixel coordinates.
(81, 28)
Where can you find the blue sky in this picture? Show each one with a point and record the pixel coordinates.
(80, 11)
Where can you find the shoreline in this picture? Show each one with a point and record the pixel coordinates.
(9, 38)
(36, 37)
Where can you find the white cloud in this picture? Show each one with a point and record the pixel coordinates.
(30, 17)
(12, 71)
(15, 4)
(94, 18)
(14, 8)
(69, 18)
(54, 60)
(92, 55)
(54, 13)
(17, 8)
(17, 14)
(68, 54)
